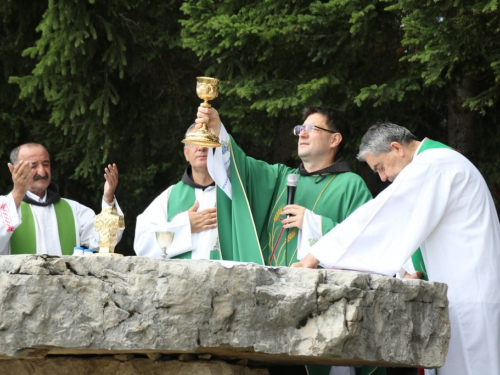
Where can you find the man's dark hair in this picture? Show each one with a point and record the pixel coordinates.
(14, 154)
(335, 120)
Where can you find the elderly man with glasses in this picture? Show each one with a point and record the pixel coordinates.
(187, 209)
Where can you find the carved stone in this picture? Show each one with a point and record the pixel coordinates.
(99, 305)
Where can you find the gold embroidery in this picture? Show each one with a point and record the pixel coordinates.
(278, 214)
(320, 194)
(291, 235)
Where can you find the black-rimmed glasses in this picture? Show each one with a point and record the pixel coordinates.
(309, 128)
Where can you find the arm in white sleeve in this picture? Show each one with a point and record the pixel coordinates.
(310, 233)
(154, 219)
(219, 163)
(407, 267)
(84, 222)
(10, 219)
(381, 235)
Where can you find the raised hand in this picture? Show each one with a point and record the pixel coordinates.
(111, 176)
(22, 174)
(208, 116)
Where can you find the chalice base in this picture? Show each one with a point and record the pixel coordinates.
(202, 137)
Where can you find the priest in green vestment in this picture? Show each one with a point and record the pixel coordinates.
(34, 219)
(255, 222)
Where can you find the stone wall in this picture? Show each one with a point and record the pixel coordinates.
(107, 305)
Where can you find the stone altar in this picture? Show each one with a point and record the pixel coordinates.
(57, 306)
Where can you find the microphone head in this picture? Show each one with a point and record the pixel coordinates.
(292, 180)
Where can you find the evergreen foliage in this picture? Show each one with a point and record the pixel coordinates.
(114, 86)
(99, 82)
(429, 65)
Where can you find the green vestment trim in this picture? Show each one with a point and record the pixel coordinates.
(417, 258)
(66, 226)
(181, 199)
(23, 240)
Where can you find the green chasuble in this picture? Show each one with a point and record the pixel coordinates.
(259, 195)
(181, 199)
(416, 258)
(250, 225)
(23, 240)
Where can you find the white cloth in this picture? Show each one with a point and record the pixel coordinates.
(154, 219)
(219, 163)
(440, 203)
(311, 228)
(46, 230)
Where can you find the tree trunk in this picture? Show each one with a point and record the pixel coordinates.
(461, 132)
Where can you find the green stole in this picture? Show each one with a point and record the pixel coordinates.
(23, 240)
(181, 199)
(259, 193)
(417, 258)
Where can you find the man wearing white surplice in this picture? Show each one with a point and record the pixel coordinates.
(186, 209)
(438, 201)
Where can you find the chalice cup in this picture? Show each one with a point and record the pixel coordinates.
(164, 240)
(207, 88)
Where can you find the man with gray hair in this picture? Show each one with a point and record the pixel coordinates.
(437, 201)
(34, 219)
(187, 209)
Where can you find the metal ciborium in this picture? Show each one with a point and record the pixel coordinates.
(207, 88)
(108, 223)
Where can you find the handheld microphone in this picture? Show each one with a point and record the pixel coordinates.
(291, 181)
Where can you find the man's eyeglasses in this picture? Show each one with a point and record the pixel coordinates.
(309, 128)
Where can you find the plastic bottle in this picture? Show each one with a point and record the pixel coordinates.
(88, 252)
(78, 251)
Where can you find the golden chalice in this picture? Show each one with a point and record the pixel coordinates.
(207, 88)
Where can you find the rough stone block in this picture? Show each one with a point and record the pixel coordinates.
(108, 305)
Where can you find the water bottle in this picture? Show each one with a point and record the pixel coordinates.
(78, 251)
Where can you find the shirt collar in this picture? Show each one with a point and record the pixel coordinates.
(187, 178)
(36, 198)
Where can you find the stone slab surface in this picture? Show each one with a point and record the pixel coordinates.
(108, 305)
